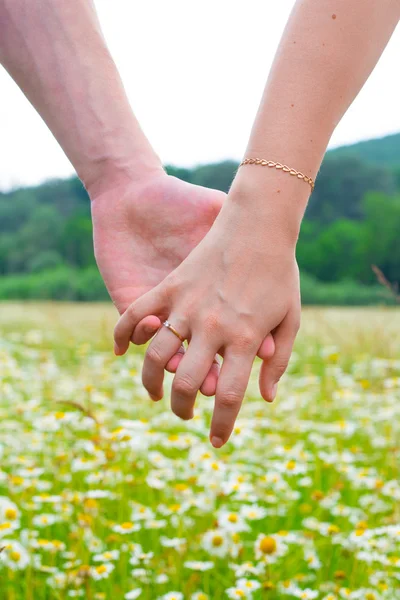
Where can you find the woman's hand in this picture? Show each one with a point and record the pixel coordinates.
(237, 286)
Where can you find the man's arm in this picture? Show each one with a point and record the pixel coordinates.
(56, 53)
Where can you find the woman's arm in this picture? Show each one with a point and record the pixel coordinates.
(241, 282)
(56, 53)
(327, 52)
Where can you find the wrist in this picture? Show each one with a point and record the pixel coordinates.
(109, 172)
(274, 198)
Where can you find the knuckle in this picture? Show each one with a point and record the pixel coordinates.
(280, 367)
(153, 355)
(131, 311)
(171, 285)
(230, 400)
(245, 340)
(212, 324)
(184, 385)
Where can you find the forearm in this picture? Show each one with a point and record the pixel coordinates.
(56, 53)
(327, 52)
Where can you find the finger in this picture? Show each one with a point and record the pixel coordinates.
(191, 372)
(265, 352)
(209, 385)
(145, 330)
(272, 370)
(152, 303)
(231, 387)
(267, 348)
(160, 351)
(173, 363)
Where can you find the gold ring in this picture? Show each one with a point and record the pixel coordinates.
(168, 325)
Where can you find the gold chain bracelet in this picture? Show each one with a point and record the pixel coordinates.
(277, 165)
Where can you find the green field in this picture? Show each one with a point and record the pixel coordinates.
(105, 495)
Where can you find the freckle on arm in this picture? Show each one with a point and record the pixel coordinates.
(333, 16)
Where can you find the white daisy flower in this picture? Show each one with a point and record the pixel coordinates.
(133, 594)
(197, 565)
(216, 542)
(126, 527)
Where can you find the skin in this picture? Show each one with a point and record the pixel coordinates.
(152, 228)
(241, 282)
(49, 48)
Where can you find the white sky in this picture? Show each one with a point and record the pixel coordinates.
(194, 73)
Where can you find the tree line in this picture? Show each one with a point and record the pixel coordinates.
(352, 222)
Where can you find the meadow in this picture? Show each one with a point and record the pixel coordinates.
(105, 495)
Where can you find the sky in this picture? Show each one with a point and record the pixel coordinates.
(194, 73)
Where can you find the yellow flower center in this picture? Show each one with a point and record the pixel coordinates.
(268, 545)
(101, 569)
(15, 556)
(333, 529)
(268, 585)
(291, 465)
(10, 514)
(127, 525)
(217, 540)
(181, 487)
(233, 518)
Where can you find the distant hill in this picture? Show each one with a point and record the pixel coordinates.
(379, 151)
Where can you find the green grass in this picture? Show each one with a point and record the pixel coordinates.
(86, 456)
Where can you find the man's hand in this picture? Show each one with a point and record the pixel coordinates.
(236, 287)
(142, 232)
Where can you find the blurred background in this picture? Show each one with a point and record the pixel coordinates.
(194, 73)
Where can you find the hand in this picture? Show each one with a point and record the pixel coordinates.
(236, 287)
(143, 231)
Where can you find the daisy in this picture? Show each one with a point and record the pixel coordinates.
(133, 594)
(248, 585)
(14, 555)
(106, 556)
(235, 592)
(215, 542)
(269, 548)
(231, 521)
(126, 527)
(253, 512)
(197, 565)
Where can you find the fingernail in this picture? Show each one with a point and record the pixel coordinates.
(273, 391)
(116, 350)
(217, 442)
